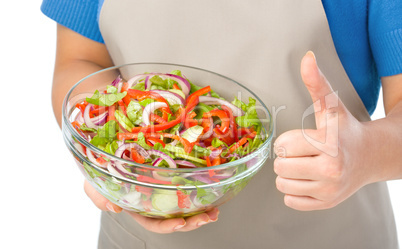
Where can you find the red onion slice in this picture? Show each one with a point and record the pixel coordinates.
(116, 81)
(215, 101)
(87, 119)
(209, 132)
(96, 121)
(215, 153)
(147, 83)
(119, 86)
(203, 178)
(134, 80)
(150, 108)
(113, 171)
(121, 170)
(80, 118)
(224, 175)
(185, 164)
(168, 159)
(100, 120)
(157, 176)
(127, 146)
(171, 97)
(157, 162)
(183, 82)
(92, 158)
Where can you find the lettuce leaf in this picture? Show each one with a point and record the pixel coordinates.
(123, 120)
(105, 99)
(250, 118)
(106, 134)
(141, 141)
(134, 112)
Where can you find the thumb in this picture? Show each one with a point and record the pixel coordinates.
(324, 98)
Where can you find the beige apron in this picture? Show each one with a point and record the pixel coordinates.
(259, 44)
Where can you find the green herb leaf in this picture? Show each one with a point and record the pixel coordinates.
(105, 99)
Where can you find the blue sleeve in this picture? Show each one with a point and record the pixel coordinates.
(385, 30)
(77, 15)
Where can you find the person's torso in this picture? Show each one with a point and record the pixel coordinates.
(259, 44)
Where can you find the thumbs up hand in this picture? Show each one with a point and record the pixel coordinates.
(318, 169)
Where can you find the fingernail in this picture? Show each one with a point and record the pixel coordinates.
(110, 207)
(213, 219)
(179, 226)
(311, 53)
(201, 223)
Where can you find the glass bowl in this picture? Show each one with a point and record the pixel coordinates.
(151, 191)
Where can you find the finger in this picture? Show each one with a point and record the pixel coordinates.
(302, 168)
(199, 220)
(305, 203)
(297, 187)
(324, 98)
(99, 200)
(294, 144)
(162, 226)
(315, 81)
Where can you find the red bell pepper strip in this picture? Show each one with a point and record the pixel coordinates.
(188, 147)
(208, 161)
(76, 125)
(189, 122)
(216, 161)
(155, 118)
(244, 131)
(175, 86)
(136, 156)
(147, 204)
(97, 111)
(100, 160)
(209, 164)
(126, 98)
(111, 116)
(144, 190)
(157, 140)
(232, 122)
(242, 141)
(141, 95)
(222, 116)
(82, 106)
(183, 200)
(160, 127)
(206, 124)
(148, 179)
(224, 137)
(193, 98)
(122, 106)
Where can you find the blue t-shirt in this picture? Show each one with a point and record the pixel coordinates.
(367, 36)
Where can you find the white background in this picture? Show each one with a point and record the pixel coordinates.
(43, 204)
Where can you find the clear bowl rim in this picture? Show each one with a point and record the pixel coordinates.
(67, 125)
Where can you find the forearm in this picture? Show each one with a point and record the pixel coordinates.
(65, 76)
(76, 57)
(383, 140)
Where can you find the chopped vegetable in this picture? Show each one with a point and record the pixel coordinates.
(164, 121)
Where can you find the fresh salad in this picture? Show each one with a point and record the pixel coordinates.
(166, 121)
